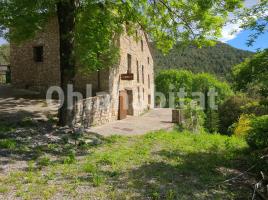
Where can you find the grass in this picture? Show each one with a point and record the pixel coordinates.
(162, 165)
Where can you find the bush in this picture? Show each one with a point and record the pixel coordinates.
(253, 72)
(230, 111)
(201, 82)
(234, 107)
(193, 117)
(212, 121)
(257, 137)
(243, 126)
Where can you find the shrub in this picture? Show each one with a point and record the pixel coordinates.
(201, 82)
(234, 107)
(193, 117)
(242, 127)
(230, 111)
(252, 72)
(257, 137)
(167, 79)
(212, 121)
(8, 144)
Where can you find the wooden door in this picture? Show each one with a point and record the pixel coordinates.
(130, 109)
(122, 113)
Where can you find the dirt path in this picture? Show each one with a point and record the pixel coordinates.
(16, 105)
(154, 120)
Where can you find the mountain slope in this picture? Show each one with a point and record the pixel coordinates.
(217, 59)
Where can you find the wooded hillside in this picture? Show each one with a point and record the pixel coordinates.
(217, 59)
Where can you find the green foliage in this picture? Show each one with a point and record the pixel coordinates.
(257, 137)
(193, 117)
(44, 161)
(242, 127)
(173, 80)
(70, 159)
(212, 121)
(8, 144)
(164, 157)
(231, 109)
(203, 82)
(253, 73)
(99, 21)
(218, 59)
(254, 18)
(4, 54)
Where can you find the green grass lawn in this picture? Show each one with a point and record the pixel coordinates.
(161, 165)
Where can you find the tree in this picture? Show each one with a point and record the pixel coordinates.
(89, 28)
(253, 73)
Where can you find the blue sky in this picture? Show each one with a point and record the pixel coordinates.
(240, 41)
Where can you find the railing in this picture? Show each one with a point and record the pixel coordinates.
(5, 74)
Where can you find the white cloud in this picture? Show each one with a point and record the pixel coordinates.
(231, 30)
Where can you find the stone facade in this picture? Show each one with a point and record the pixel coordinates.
(28, 74)
(135, 58)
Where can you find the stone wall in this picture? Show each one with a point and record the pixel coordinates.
(28, 74)
(93, 111)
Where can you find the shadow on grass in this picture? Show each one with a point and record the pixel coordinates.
(28, 140)
(184, 176)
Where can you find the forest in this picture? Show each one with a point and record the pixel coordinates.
(217, 59)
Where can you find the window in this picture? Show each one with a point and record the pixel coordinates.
(141, 45)
(128, 63)
(149, 82)
(139, 95)
(138, 73)
(142, 74)
(149, 100)
(143, 94)
(148, 60)
(38, 53)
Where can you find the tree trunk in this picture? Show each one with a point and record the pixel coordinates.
(66, 18)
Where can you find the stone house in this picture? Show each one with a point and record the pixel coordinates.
(35, 65)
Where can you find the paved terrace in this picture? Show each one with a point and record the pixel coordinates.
(153, 120)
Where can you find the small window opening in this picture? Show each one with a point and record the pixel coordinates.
(38, 53)
(138, 74)
(128, 63)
